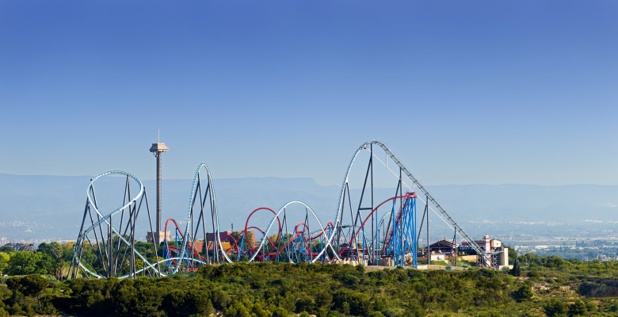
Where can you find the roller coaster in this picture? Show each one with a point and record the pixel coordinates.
(375, 223)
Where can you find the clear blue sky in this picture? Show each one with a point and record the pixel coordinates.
(462, 91)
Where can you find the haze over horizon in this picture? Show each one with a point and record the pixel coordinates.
(149, 178)
(52, 207)
(463, 93)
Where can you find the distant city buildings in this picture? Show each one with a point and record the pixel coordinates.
(583, 250)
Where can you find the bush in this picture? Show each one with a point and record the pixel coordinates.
(555, 307)
(523, 293)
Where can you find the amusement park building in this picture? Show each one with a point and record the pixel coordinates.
(444, 247)
(228, 240)
(498, 253)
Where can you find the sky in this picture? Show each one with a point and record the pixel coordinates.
(463, 92)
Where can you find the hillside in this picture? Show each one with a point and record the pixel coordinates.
(541, 287)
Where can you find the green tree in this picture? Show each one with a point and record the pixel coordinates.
(512, 255)
(59, 253)
(578, 308)
(30, 286)
(28, 262)
(553, 261)
(24, 262)
(180, 302)
(138, 297)
(555, 308)
(91, 297)
(305, 303)
(4, 262)
(7, 248)
(280, 312)
(523, 293)
(516, 271)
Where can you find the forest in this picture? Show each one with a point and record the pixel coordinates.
(32, 284)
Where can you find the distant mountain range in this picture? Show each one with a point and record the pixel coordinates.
(51, 207)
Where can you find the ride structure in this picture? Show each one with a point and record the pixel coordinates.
(352, 209)
(106, 244)
(194, 246)
(293, 241)
(375, 223)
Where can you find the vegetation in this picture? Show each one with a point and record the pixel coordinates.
(50, 258)
(538, 286)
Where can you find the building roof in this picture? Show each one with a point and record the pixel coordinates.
(443, 244)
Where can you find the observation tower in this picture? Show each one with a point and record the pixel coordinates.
(157, 149)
